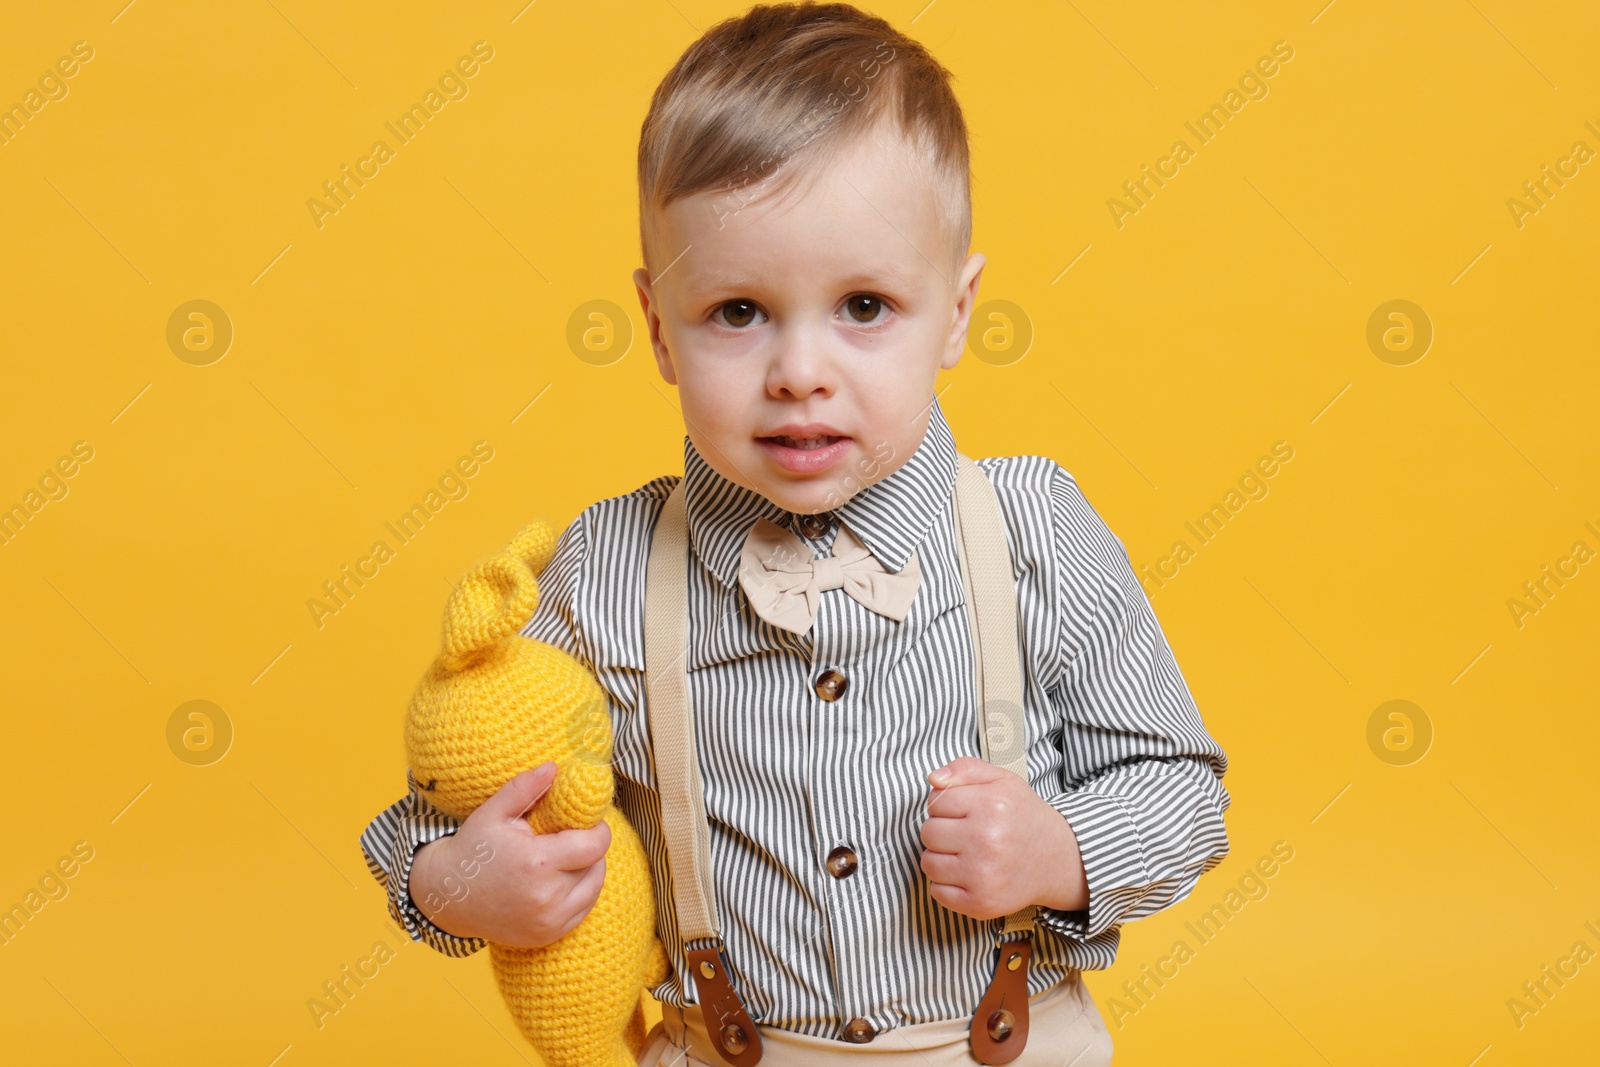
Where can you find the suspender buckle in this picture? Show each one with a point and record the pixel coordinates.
(1000, 1025)
(729, 1025)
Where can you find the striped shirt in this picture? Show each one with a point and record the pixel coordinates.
(1114, 741)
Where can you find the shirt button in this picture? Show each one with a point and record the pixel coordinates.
(813, 527)
(858, 1031)
(842, 862)
(830, 684)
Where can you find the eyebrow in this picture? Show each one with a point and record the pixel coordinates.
(890, 277)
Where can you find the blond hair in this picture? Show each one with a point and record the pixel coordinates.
(797, 82)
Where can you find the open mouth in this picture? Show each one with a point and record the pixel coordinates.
(807, 453)
(805, 444)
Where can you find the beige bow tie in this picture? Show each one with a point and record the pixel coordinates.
(784, 582)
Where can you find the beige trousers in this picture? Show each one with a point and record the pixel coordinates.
(1064, 1030)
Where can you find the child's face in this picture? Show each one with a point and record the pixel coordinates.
(825, 315)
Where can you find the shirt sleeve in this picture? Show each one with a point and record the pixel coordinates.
(391, 840)
(390, 844)
(1142, 790)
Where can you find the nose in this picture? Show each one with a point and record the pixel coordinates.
(800, 367)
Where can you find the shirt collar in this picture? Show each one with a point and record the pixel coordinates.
(891, 516)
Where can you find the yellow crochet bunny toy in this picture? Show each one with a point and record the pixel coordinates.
(496, 704)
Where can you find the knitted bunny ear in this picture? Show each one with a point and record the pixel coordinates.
(497, 597)
(535, 544)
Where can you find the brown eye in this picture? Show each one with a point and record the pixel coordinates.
(864, 308)
(737, 313)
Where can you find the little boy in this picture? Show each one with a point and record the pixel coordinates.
(805, 220)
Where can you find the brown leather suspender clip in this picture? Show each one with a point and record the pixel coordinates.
(1000, 1025)
(729, 1025)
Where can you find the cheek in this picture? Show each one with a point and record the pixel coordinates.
(895, 394)
(719, 405)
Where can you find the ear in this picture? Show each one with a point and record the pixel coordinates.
(652, 318)
(534, 544)
(966, 291)
(494, 600)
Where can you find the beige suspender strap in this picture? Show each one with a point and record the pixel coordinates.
(991, 597)
(683, 805)
(999, 1030)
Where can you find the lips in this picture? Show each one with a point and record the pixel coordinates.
(805, 448)
(805, 443)
(804, 431)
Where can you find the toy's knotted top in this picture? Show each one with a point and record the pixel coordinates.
(496, 703)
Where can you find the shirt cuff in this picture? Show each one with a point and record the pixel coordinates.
(404, 910)
(1113, 863)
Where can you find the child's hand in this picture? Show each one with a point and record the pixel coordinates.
(995, 846)
(495, 878)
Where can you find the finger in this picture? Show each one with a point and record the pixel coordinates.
(944, 835)
(951, 896)
(966, 770)
(516, 797)
(585, 893)
(578, 917)
(944, 870)
(955, 802)
(575, 850)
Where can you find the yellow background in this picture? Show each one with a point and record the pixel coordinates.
(369, 354)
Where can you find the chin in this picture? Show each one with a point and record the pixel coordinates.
(806, 497)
